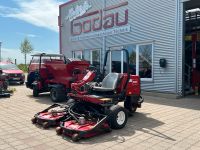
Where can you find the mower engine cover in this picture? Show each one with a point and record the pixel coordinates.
(133, 87)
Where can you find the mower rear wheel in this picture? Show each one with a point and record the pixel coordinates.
(57, 94)
(59, 130)
(118, 117)
(75, 137)
(35, 91)
(131, 107)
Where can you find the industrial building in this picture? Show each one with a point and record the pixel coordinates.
(162, 37)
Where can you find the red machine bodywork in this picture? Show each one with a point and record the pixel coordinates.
(57, 72)
(132, 89)
(195, 71)
(89, 77)
(50, 115)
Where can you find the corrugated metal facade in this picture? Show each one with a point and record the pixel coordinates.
(151, 21)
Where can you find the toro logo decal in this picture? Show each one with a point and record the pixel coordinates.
(79, 10)
(100, 19)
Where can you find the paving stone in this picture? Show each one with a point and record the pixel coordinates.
(160, 124)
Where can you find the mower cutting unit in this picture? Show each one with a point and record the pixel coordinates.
(52, 116)
(54, 73)
(3, 85)
(96, 108)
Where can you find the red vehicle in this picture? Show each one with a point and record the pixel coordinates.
(13, 72)
(54, 73)
(3, 85)
(97, 110)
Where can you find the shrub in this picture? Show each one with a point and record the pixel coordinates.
(23, 67)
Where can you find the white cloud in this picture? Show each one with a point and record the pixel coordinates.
(41, 13)
(16, 54)
(28, 35)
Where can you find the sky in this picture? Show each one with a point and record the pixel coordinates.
(35, 19)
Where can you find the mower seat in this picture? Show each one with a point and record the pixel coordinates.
(109, 83)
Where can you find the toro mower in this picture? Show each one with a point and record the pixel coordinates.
(52, 116)
(3, 85)
(54, 73)
(96, 108)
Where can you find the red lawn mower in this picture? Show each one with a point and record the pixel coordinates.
(54, 73)
(96, 108)
(52, 116)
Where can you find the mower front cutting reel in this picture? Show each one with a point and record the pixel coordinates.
(51, 116)
(91, 120)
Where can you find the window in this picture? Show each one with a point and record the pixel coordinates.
(116, 61)
(92, 56)
(86, 55)
(77, 54)
(132, 59)
(140, 60)
(145, 61)
(95, 58)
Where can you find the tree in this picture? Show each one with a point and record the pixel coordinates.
(9, 59)
(26, 48)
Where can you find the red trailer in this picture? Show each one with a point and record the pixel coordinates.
(54, 73)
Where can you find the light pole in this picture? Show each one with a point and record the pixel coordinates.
(0, 50)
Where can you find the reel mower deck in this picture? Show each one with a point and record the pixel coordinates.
(51, 116)
(84, 120)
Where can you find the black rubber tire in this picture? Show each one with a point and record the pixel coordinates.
(5, 85)
(35, 91)
(130, 106)
(75, 137)
(34, 120)
(45, 125)
(21, 83)
(114, 110)
(59, 130)
(108, 130)
(57, 95)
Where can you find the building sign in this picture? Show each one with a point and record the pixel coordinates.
(108, 21)
(79, 10)
(102, 33)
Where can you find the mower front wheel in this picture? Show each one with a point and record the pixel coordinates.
(118, 117)
(59, 130)
(45, 125)
(34, 120)
(75, 137)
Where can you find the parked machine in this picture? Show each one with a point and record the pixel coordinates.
(93, 106)
(3, 85)
(96, 109)
(54, 73)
